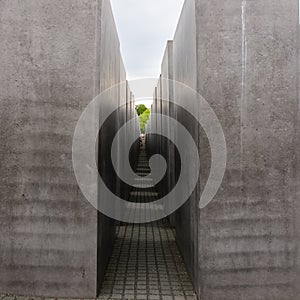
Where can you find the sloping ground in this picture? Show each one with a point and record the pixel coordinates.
(146, 263)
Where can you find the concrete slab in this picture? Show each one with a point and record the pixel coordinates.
(55, 57)
(243, 60)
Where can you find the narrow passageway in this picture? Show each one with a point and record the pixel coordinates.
(146, 262)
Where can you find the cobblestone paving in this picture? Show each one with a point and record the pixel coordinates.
(146, 263)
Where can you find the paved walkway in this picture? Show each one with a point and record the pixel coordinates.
(146, 263)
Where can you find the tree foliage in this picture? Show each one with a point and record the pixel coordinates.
(143, 119)
(140, 109)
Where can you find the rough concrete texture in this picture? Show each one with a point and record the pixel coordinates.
(55, 57)
(297, 175)
(165, 111)
(168, 108)
(242, 246)
(159, 142)
(243, 59)
(185, 71)
(133, 128)
(152, 139)
(111, 73)
(121, 119)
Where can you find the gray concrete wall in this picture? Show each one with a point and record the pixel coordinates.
(297, 175)
(121, 119)
(159, 111)
(55, 57)
(185, 71)
(261, 140)
(112, 73)
(152, 140)
(165, 94)
(168, 148)
(242, 58)
(133, 129)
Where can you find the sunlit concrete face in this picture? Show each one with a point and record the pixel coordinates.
(56, 56)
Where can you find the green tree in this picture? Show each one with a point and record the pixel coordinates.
(143, 119)
(140, 109)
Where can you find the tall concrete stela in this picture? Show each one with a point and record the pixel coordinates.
(56, 56)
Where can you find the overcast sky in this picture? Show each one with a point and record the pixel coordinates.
(144, 26)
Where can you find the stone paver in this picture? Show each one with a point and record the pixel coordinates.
(146, 262)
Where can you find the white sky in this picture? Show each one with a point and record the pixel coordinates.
(144, 26)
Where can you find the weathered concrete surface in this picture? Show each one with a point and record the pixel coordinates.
(133, 129)
(260, 224)
(243, 59)
(297, 175)
(168, 109)
(112, 73)
(165, 110)
(185, 71)
(152, 140)
(121, 119)
(159, 111)
(55, 57)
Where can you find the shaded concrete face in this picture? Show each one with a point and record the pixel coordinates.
(111, 72)
(152, 140)
(167, 92)
(185, 71)
(297, 176)
(168, 148)
(55, 57)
